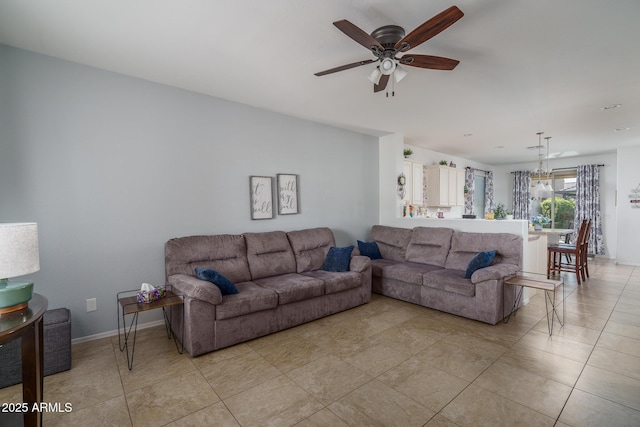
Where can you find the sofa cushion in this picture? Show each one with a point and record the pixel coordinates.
(377, 265)
(429, 245)
(310, 247)
(336, 282)
(450, 281)
(392, 241)
(465, 245)
(225, 285)
(481, 260)
(409, 272)
(249, 299)
(293, 287)
(224, 253)
(269, 254)
(338, 259)
(369, 249)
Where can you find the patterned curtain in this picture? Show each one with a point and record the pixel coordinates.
(521, 194)
(488, 193)
(588, 205)
(469, 182)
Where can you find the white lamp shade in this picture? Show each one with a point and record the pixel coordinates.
(375, 75)
(400, 73)
(387, 66)
(19, 253)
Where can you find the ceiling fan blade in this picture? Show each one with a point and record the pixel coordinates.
(384, 79)
(358, 35)
(430, 28)
(345, 67)
(428, 61)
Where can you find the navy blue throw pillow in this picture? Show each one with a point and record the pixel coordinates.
(481, 260)
(338, 259)
(369, 249)
(226, 286)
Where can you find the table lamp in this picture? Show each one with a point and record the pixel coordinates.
(19, 255)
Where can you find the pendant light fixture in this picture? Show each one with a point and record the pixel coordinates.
(542, 187)
(548, 186)
(539, 188)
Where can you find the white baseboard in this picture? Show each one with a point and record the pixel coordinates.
(633, 264)
(115, 332)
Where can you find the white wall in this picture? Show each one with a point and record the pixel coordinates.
(111, 167)
(628, 218)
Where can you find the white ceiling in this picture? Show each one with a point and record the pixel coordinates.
(525, 65)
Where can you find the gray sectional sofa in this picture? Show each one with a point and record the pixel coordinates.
(427, 265)
(278, 275)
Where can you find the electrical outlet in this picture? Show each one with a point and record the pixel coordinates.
(92, 305)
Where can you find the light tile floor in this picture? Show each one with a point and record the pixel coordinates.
(387, 363)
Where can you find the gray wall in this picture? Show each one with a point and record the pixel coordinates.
(112, 166)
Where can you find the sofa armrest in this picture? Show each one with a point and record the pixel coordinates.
(192, 287)
(496, 271)
(359, 263)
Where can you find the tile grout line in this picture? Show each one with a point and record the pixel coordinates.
(592, 350)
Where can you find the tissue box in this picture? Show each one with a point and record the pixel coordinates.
(146, 297)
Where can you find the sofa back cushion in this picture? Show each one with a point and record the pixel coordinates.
(224, 253)
(310, 247)
(429, 245)
(269, 254)
(464, 246)
(392, 241)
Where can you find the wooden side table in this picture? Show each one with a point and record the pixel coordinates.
(128, 305)
(538, 281)
(27, 323)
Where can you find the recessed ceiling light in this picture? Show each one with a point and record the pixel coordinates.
(620, 129)
(611, 107)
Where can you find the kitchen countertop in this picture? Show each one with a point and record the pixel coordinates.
(551, 231)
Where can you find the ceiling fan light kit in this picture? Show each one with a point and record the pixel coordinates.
(388, 41)
(375, 75)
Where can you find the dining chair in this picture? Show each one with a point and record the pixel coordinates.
(578, 251)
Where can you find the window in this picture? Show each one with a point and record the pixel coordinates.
(561, 208)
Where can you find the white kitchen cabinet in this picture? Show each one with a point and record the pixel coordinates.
(414, 187)
(417, 190)
(445, 186)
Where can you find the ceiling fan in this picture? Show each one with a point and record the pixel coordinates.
(388, 41)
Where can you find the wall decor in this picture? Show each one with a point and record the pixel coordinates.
(288, 194)
(402, 181)
(261, 197)
(634, 197)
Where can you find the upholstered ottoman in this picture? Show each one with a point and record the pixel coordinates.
(57, 349)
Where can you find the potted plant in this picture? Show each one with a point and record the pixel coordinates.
(499, 212)
(509, 214)
(539, 220)
(407, 152)
(443, 163)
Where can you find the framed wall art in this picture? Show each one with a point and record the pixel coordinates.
(261, 197)
(288, 195)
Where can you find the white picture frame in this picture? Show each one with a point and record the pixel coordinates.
(288, 194)
(261, 197)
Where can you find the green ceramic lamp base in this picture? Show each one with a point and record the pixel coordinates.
(14, 295)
